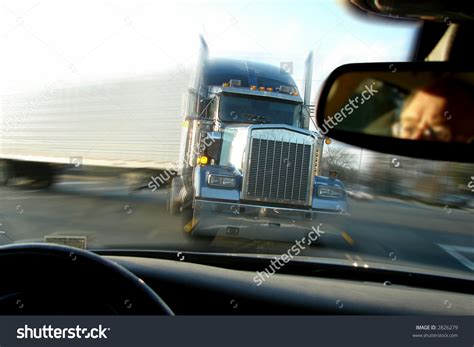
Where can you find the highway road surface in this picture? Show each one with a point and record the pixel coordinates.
(112, 214)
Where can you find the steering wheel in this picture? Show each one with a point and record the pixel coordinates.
(51, 279)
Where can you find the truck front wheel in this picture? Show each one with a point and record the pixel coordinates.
(174, 199)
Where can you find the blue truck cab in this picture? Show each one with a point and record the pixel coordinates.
(252, 164)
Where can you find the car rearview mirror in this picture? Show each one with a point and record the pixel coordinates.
(422, 109)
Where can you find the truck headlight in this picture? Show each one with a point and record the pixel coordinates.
(221, 181)
(330, 192)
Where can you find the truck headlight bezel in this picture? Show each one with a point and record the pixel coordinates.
(330, 192)
(221, 181)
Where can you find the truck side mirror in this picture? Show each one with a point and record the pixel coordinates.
(305, 116)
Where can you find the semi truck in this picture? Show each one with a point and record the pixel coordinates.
(229, 138)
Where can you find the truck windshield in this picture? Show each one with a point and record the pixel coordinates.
(245, 109)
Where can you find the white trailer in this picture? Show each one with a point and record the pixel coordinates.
(127, 123)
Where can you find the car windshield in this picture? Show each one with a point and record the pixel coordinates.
(244, 109)
(103, 143)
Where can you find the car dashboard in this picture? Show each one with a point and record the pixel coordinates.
(197, 289)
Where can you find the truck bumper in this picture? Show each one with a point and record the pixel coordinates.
(237, 220)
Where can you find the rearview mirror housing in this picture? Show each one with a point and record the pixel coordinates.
(417, 109)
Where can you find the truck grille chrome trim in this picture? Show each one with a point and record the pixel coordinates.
(279, 167)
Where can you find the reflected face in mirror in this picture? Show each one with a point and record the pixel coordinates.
(441, 111)
(409, 105)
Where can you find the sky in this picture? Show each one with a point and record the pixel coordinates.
(45, 44)
(50, 42)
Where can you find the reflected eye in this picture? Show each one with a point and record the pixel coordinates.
(440, 133)
(408, 130)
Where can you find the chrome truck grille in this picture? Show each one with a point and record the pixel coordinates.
(279, 166)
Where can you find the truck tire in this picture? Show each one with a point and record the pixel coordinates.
(174, 200)
(5, 172)
(187, 214)
(44, 175)
(188, 226)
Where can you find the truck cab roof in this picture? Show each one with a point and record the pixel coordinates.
(218, 71)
